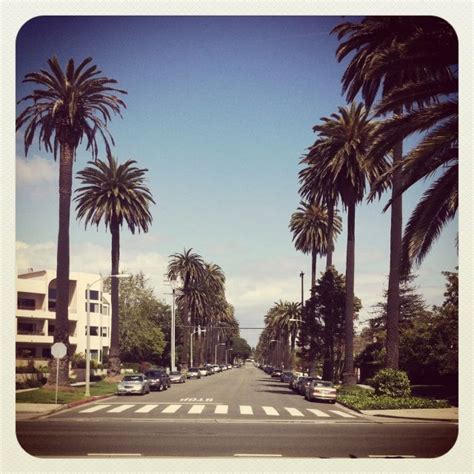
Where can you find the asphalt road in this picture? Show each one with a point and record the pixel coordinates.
(240, 412)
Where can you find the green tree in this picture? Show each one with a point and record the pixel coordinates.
(115, 195)
(68, 106)
(240, 348)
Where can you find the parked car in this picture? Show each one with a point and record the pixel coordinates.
(210, 369)
(320, 390)
(268, 369)
(158, 378)
(229, 366)
(177, 377)
(303, 383)
(203, 371)
(133, 383)
(216, 368)
(193, 372)
(276, 373)
(286, 377)
(223, 367)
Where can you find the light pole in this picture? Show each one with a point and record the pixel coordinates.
(302, 292)
(198, 331)
(274, 352)
(88, 327)
(215, 350)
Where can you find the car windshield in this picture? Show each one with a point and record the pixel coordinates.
(193, 369)
(322, 383)
(154, 373)
(133, 378)
(175, 373)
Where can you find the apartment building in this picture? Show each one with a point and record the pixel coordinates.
(35, 314)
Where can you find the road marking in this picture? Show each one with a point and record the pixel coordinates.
(241, 455)
(342, 413)
(196, 409)
(221, 410)
(93, 409)
(270, 411)
(120, 409)
(317, 412)
(146, 409)
(246, 410)
(293, 412)
(172, 409)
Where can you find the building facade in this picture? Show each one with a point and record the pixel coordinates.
(36, 314)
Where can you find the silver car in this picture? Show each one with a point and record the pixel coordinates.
(133, 383)
(320, 390)
(177, 377)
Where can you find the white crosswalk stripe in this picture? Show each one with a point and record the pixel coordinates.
(120, 409)
(270, 411)
(246, 410)
(342, 413)
(317, 412)
(94, 409)
(146, 409)
(221, 410)
(196, 409)
(171, 408)
(293, 412)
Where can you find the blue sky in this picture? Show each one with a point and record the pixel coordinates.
(220, 110)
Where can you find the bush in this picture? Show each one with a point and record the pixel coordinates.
(29, 383)
(26, 370)
(391, 382)
(131, 365)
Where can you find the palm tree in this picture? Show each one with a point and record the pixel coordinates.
(114, 194)
(189, 267)
(380, 62)
(343, 144)
(309, 225)
(67, 107)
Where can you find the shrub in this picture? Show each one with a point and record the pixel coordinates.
(131, 365)
(26, 370)
(391, 382)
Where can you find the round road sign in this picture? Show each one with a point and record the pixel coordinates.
(58, 349)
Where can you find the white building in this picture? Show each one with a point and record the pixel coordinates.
(35, 314)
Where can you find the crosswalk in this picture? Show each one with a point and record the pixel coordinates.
(216, 409)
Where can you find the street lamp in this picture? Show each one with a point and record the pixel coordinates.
(302, 292)
(198, 330)
(88, 326)
(215, 350)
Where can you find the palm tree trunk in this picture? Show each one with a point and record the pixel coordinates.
(314, 256)
(61, 327)
(330, 248)
(393, 297)
(348, 374)
(114, 354)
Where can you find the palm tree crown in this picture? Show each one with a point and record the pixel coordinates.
(116, 192)
(72, 104)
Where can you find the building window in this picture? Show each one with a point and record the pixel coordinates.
(50, 329)
(93, 295)
(51, 305)
(26, 303)
(46, 352)
(94, 331)
(52, 293)
(104, 331)
(93, 307)
(26, 352)
(105, 309)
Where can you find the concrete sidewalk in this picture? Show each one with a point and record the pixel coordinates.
(434, 414)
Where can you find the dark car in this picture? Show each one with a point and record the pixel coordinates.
(286, 377)
(268, 369)
(158, 379)
(303, 383)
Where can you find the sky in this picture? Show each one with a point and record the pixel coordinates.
(220, 111)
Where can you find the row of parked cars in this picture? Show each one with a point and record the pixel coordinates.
(312, 388)
(160, 380)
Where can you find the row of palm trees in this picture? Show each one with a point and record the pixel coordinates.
(68, 107)
(407, 67)
(202, 304)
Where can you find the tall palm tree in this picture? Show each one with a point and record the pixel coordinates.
(378, 63)
(309, 225)
(189, 268)
(115, 195)
(343, 144)
(68, 106)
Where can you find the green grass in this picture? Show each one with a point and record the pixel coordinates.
(72, 394)
(365, 400)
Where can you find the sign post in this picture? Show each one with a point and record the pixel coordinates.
(58, 349)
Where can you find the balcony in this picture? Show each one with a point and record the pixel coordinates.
(41, 314)
(39, 337)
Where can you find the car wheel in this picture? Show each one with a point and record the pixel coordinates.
(164, 387)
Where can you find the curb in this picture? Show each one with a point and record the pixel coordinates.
(87, 400)
(416, 418)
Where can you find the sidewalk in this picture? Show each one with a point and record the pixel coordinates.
(433, 414)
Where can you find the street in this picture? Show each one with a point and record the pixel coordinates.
(240, 412)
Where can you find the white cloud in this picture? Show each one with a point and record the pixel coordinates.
(36, 171)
